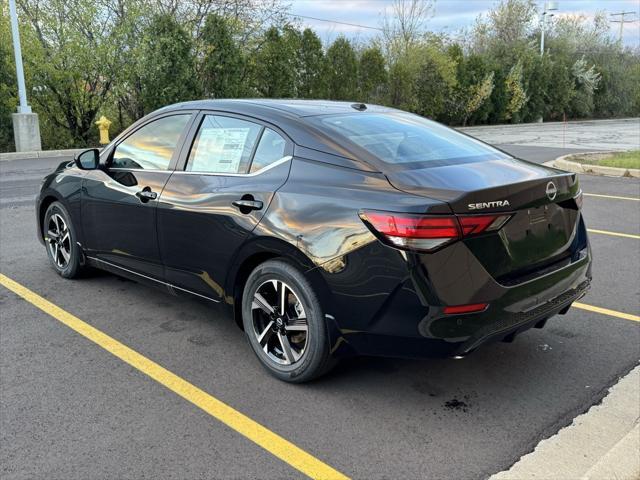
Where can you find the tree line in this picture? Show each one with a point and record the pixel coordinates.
(126, 58)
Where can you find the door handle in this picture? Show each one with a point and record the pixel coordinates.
(146, 194)
(246, 206)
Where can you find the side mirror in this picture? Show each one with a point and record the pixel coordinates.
(88, 160)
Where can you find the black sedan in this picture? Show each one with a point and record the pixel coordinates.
(327, 228)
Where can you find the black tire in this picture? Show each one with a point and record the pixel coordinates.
(315, 358)
(67, 268)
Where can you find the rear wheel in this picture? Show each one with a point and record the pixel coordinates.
(60, 240)
(284, 322)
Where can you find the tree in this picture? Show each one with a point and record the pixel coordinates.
(372, 75)
(342, 70)
(435, 83)
(167, 70)
(312, 83)
(72, 53)
(276, 63)
(405, 26)
(515, 91)
(222, 65)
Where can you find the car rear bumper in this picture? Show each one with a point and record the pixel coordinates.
(410, 321)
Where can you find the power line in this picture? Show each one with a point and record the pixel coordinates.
(622, 21)
(335, 21)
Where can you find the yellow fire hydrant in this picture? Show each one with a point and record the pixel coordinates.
(103, 125)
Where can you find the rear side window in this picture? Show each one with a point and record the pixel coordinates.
(223, 145)
(406, 140)
(150, 147)
(270, 149)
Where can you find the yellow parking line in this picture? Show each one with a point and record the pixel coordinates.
(614, 197)
(262, 436)
(614, 234)
(606, 311)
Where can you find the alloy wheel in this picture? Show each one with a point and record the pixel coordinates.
(279, 322)
(59, 241)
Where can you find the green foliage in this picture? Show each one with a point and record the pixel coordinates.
(276, 63)
(515, 91)
(167, 72)
(221, 72)
(342, 70)
(470, 100)
(435, 83)
(311, 78)
(372, 75)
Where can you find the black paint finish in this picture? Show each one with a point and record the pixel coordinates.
(191, 238)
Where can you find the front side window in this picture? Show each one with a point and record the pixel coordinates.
(150, 147)
(223, 145)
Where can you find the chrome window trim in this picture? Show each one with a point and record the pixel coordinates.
(170, 285)
(252, 174)
(119, 169)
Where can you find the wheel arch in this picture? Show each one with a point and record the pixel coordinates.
(260, 250)
(44, 204)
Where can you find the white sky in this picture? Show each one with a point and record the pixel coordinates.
(450, 15)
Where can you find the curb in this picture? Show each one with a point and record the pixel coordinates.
(577, 167)
(41, 154)
(602, 443)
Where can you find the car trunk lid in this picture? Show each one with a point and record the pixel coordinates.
(542, 228)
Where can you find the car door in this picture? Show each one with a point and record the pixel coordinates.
(119, 200)
(231, 171)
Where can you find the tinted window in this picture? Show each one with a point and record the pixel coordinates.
(151, 147)
(405, 139)
(270, 149)
(223, 145)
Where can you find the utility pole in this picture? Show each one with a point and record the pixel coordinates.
(622, 21)
(26, 128)
(548, 7)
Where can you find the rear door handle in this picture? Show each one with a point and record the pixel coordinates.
(146, 194)
(247, 205)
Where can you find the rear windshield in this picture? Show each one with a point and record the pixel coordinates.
(407, 140)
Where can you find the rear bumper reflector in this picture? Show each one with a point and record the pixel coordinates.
(471, 308)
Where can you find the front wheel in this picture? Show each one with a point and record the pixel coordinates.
(284, 323)
(60, 240)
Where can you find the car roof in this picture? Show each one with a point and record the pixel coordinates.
(291, 117)
(271, 107)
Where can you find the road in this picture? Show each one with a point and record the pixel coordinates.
(69, 409)
(587, 135)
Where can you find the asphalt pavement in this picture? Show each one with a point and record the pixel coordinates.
(70, 410)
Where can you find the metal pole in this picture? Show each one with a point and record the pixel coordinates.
(17, 51)
(544, 17)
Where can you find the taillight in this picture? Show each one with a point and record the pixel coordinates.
(428, 232)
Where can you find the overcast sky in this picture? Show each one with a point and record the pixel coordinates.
(450, 15)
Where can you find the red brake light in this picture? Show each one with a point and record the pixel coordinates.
(413, 226)
(423, 232)
(473, 224)
(471, 308)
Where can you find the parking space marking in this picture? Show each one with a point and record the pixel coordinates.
(252, 430)
(606, 311)
(614, 197)
(614, 234)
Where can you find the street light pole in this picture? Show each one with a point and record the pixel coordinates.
(17, 52)
(26, 127)
(548, 7)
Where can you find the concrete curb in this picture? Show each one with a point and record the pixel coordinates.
(41, 154)
(576, 167)
(600, 444)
